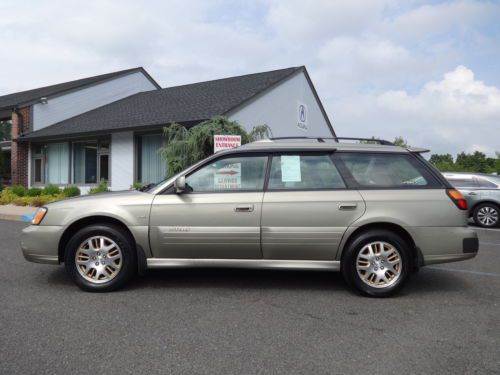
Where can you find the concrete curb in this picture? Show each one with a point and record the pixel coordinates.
(11, 217)
(17, 213)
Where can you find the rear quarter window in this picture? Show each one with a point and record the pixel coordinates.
(462, 182)
(379, 170)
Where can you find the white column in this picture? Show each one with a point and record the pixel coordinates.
(122, 160)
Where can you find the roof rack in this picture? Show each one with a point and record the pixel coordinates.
(322, 139)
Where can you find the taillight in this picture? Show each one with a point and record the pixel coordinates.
(457, 198)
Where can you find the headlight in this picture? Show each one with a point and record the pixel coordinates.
(39, 215)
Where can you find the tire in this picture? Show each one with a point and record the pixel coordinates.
(364, 270)
(106, 258)
(487, 215)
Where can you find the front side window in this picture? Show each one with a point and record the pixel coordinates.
(304, 172)
(245, 173)
(386, 170)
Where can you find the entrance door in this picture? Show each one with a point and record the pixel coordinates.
(218, 216)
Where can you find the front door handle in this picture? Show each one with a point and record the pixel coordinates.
(244, 208)
(347, 206)
(472, 193)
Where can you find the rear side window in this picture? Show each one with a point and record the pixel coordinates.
(486, 184)
(386, 171)
(304, 172)
(462, 182)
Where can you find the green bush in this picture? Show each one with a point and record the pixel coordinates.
(71, 191)
(101, 188)
(34, 192)
(19, 190)
(7, 196)
(136, 185)
(21, 201)
(51, 190)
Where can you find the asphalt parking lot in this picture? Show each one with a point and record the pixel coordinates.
(447, 320)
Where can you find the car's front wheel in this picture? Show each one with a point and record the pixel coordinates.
(100, 258)
(377, 263)
(487, 215)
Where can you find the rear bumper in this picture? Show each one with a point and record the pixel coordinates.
(445, 244)
(40, 243)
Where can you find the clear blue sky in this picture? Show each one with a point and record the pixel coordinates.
(426, 70)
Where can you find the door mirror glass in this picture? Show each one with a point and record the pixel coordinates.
(180, 184)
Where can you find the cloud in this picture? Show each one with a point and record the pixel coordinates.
(357, 63)
(445, 115)
(428, 20)
(377, 65)
(315, 21)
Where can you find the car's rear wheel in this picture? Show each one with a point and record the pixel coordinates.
(100, 258)
(487, 215)
(377, 263)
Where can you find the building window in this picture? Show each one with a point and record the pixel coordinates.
(57, 163)
(82, 163)
(38, 165)
(90, 162)
(151, 167)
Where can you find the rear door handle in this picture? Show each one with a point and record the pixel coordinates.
(244, 208)
(472, 193)
(347, 206)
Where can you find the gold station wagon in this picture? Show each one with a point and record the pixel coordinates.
(375, 212)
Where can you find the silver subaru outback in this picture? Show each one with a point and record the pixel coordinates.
(375, 212)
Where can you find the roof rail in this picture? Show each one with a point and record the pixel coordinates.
(322, 139)
(373, 140)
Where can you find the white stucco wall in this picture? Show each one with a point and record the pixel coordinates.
(278, 107)
(122, 160)
(74, 103)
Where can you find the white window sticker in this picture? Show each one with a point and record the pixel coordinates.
(228, 177)
(290, 168)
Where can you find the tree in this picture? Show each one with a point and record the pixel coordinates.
(475, 162)
(184, 147)
(400, 141)
(441, 158)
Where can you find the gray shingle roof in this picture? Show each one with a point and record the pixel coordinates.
(183, 104)
(23, 97)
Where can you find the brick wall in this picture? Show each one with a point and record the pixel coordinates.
(19, 153)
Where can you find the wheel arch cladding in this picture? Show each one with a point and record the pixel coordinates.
(417, 257)
(91, 220)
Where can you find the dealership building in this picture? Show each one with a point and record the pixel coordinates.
(109, 127)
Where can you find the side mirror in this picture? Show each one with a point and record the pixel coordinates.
(180, 184)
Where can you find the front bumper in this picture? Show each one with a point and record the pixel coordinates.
(40, 243)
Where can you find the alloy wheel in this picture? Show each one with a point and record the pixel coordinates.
(488, 216)
(98, 259)
(379, 264)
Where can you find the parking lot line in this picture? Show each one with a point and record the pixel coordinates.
(465, 271)
(489, 243)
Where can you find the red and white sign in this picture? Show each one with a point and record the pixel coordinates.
(225, 142)
(228, 177)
